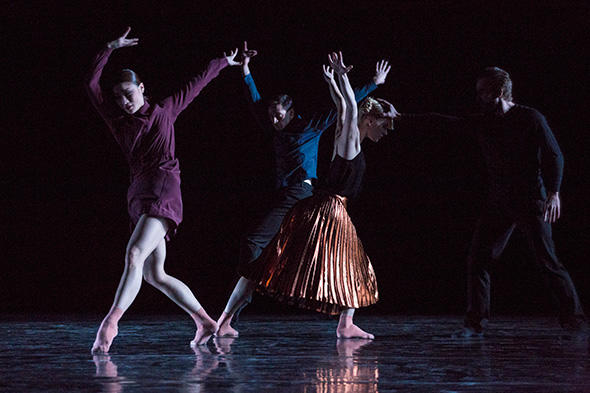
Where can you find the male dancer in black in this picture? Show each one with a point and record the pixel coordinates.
(295, 144)
(525, 168)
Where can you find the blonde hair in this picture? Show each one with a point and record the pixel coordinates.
(371, 107)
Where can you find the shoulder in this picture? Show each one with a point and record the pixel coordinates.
(529, 113)
(163, 107)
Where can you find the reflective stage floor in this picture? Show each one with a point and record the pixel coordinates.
(293, 354)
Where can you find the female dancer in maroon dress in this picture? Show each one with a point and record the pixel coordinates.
(317, 261)
(145, 133)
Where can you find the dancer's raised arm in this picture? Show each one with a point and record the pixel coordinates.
(336, 96)
(348, 143)
(247, 54)
(93, 87)
(177, 102)
(337, 63)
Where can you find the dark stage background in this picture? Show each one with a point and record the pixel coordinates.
(65, 223)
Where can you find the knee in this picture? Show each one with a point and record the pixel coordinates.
(154, 277)
(133, 258)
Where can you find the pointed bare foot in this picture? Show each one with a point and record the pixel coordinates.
(353, 331)
(204, 333)
(225, 330)
(104, 337)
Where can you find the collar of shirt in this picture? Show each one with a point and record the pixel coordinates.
(144, 110)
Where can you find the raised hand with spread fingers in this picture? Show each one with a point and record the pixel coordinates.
(123, 41)
(381, 70)
(230, 58)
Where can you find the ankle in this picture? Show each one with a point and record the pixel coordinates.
(113, 317)
(201, 318)
(225, 319)
(345, 322)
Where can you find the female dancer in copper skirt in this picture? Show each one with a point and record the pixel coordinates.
(145, 133)
(317, 261)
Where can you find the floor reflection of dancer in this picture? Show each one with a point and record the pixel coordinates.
(107, 369)
(205, 371)
(145, 133)
(348, 373)
(316, 261)
(295, 145)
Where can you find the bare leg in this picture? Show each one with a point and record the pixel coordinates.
(148, 232)
(239, 296)
(179, 293)
(347, 329)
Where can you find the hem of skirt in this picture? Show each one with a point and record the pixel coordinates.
(309, 304)
(153, 211)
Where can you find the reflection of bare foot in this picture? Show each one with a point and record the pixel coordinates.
(349, 347)
(201, 350)
(205, 361)
(225, 330)
(204, 333)
(104, 366)
(104, 337)
(352, 331)
(223, 346)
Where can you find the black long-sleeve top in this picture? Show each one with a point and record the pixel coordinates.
(521, 153)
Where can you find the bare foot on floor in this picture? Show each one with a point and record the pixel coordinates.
(104, 338)
(225, 330)
(353, 331)
(204, 333)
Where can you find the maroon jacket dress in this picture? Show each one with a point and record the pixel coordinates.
(147, 140)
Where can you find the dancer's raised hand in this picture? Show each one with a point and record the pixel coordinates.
(123, 41)
(389, 109)
(247, 54)
(381, 71)
(230, 58)
(336, 61)
(328, 73)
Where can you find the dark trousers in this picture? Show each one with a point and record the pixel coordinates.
(489, 241)
(267, 226)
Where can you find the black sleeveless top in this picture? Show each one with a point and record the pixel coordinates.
(345, 177)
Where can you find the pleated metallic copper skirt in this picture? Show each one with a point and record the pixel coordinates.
(316, 261)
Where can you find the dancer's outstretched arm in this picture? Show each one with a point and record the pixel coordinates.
(93, 87)
(337, 63)
(336, 96)
(348, 144)
(177, 102)
(247, 54)
(252, 94)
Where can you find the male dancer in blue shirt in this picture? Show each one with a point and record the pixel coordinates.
(295, 145)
